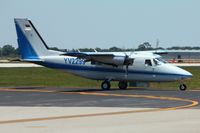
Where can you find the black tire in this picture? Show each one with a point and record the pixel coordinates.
(122, 85)
(105, 85)
(182, 87)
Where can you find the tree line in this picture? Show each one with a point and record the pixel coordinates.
(10, 51)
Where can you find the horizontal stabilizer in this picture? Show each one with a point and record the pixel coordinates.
(32, 60)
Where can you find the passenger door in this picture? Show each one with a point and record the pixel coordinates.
(148, 65)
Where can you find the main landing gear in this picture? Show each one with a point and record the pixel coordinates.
(182, 87)
(106, 85)
(122, 85)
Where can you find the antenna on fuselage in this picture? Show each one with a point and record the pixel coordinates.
(157, 44)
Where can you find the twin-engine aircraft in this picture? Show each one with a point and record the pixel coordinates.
(106, 66)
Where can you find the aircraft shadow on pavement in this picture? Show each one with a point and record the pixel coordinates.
(63, 89)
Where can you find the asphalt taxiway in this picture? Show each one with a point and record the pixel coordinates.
(48, 109)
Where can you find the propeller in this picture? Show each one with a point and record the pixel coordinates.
(128, 61)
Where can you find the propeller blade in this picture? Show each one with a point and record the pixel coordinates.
(127, 70)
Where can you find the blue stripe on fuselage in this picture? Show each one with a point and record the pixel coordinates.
(100, 69)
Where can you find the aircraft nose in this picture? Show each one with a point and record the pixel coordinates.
(185, 74)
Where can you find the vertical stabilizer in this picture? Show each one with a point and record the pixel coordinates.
(31, 44)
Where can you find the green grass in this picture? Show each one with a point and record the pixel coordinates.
(50, 77)
(41, 77)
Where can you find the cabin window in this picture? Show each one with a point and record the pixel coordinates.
(148, 62)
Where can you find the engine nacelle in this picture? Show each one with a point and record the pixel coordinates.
(118, 60)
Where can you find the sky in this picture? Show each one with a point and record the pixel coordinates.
(75, 24)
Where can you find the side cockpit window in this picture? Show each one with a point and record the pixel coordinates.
(148, 62)
(159, 61)
(155, 62)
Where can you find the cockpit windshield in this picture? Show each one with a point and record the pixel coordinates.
(159, 61)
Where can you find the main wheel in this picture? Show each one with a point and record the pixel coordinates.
(105, 85)
(122, 85)
(182, 87)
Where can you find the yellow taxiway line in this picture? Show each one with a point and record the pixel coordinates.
(191, 104)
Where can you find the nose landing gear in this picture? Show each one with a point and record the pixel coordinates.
(182, 87)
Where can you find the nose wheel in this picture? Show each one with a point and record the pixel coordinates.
(105, 85)
(182, 87)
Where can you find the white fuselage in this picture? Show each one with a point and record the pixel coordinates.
(138, 71)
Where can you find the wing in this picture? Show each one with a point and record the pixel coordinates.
(105, 58)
